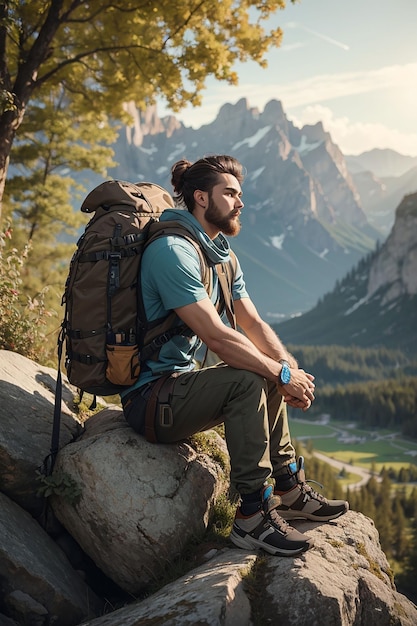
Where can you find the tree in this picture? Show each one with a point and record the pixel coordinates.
(40, 194)
(120, 50)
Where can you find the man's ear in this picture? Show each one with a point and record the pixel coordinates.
(201, 198)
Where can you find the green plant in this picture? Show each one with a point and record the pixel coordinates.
(254, 582)
(206, 443)
(59, 484)
(373, 565)
(221, 520)
(22, 317)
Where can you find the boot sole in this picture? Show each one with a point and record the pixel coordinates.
(293, 515)
(250, 543)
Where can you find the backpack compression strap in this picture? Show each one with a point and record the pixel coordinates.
(226, 273)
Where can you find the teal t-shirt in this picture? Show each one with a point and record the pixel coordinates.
(171, 278)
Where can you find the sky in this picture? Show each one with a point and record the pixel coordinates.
(351, 64)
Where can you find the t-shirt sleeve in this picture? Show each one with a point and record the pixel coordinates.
(239, 287)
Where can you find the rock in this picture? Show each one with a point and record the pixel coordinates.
(140, 502)
(139, 505)
(344, 580)
(7, 621)
(394, 268)
(37, 584)
(27, 405)
(212, 594)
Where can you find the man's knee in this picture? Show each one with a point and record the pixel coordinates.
(251, 380)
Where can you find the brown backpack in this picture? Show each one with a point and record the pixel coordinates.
(105, 328)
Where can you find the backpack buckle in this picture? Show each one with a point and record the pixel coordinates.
(162, 340)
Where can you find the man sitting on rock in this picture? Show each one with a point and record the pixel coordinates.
(257, 377)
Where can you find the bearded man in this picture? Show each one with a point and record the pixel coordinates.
(256, 378)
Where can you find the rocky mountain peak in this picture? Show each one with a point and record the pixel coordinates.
(395, 267)
(148, 123)
(301, 207)
(273, 113)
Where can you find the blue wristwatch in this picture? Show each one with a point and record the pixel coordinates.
(285, 373)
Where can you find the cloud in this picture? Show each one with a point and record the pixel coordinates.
(316, 89)
(357, 137)
(330, 40)
(319, 91)
(331, 86)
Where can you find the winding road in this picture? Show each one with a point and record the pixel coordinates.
(364, 474)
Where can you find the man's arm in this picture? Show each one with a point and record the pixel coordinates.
(260, 333)
(267, 341)
(238, 350)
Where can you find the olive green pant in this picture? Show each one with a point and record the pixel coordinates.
(254, 416)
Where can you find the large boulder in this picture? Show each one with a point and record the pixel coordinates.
(37, 584)
(345, 580)
(212, 594)
(140, 502)
(27, 406)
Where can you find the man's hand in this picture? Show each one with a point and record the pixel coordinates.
(299, 392)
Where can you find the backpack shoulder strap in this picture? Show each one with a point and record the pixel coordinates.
(161, 229)
(226, 273)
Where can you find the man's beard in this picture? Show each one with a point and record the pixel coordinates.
(228, 225)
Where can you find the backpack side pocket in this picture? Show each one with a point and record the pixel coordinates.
(123, 364)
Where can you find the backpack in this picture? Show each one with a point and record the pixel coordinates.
(104, 329)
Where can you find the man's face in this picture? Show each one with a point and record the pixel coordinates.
(225, 205)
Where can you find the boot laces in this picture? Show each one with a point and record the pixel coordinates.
(305, 488)
(273, 516)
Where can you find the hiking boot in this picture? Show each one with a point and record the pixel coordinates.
(267, 530)
(302, 502)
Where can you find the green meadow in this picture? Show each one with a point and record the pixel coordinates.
(345, 442)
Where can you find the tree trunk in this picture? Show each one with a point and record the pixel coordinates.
(25, 83)
(9, 123)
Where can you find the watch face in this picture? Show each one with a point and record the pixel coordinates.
(285, 374)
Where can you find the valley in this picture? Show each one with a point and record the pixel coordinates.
(356, 452)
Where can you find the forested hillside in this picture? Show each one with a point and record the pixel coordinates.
(335, 364)
(377, 386)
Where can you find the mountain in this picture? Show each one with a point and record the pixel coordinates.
(303, 226)
(383, 163)
(382, 178)
(376, 302)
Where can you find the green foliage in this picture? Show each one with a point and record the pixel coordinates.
(254, 582)
(6, 101)
(105, 54)
(373, 565)
(116, 47)
(221, 520)
(23, 319)
(40, 196)
(335, 364)
(390, 511)
(372, 386)
(206, 443)
(384, 404)
(406, 579)
(59, 484)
